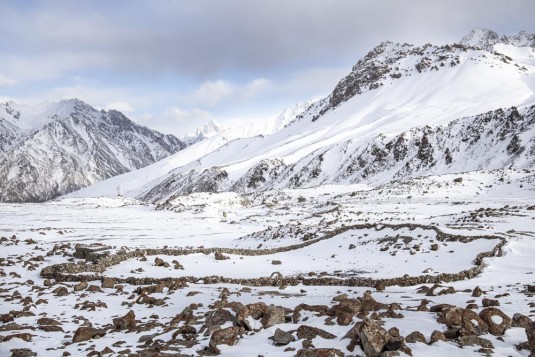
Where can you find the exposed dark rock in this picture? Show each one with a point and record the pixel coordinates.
(227, 336)
(415, 336)
(87, 333)
(282, 338)
(127, 321)
(309, 333)
(497, 329)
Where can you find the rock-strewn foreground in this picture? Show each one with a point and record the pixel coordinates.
(432, 266)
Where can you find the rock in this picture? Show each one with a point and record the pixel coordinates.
(373, 338)
(320, 352)
(276, 262)
(61, 291)
(472, 340)
(352, 246)
(490, 302)
(473, 324)
(273, 315)
(108, 283)
(434, 247)
(497, 329)
(128, 321)
(520, 320)
(477, 292)
(87, 333)
(309, 332)
(227, 336)
(380, 286)
(26, 337)
(22, 352)
(219, 317)
(47, 321)
(282, 338)
(414, 337)
(437, 336)
(80, 286)
(159, 262)
(94, 289)
(530, 333)
(530, 288)
(220, 256)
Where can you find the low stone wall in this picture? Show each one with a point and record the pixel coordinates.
(71, 272)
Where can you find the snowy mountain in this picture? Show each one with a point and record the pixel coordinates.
(56, 148)
(402, 111)
(208, 130)
(486, 39)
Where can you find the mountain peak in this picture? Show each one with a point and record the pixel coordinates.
(486, 39)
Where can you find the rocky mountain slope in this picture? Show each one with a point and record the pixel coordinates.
(56, 148)
(402, 111)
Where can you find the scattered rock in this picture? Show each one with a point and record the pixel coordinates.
(282, 338)
(220, 256)
(414, 337)
(472, 340)
(227, 336)
(434, 247)
(87, 333)
(276, 262)
(373, 338)
(108, 283)
(320, 352)
(309, 332)
(490, 302)
(22, 352)
(437, 336)
(530, 333)
(61, 291)
(495, 328)
(477, 292)
(273, 315)
(520, 320)
(128, 321)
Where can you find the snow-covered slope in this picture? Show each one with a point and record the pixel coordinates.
(391, 90)
(56, 148)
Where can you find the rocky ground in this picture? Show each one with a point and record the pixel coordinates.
(429, 267)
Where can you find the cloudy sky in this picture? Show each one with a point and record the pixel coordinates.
(173, 65)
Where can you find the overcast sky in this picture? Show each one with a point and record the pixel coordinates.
(173, 65)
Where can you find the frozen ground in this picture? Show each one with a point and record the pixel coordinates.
(483, 204)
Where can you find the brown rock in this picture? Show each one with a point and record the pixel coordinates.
(108, 283)
(61, 291)
(282, 338)
(159, 262)
(80, 286)
(520, 320)
(490, 302)
(219, 317)
(220, 256)
(320, 352)
(373, 338)
(94, 289)
(128, 321)
(414, 337)
(272, 316)
(495, 328)
(26, 337)
(87, 333)
(475, 341)
(309, 332)
(227, 336)
(530, 333)
(477, 292)
(437, 336)
(47, 321)
(22, 352)
(473, 324)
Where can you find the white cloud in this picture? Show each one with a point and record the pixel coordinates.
(121, 106)
(4, 81)
(211, 93)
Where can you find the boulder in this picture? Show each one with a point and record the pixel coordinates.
(108, 283)
(128, 321)
(320, 352)
(227, 336)
(437, 336)
(87, 333)
(272, 316)
(495, 328)
(530, 333)
(520, 320)
(220, 256)
(490, 302)
(373, 338)
(282, 338)
(475, 341)
(414, 337)
(309, 332)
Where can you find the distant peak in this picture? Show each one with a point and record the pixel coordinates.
(486, 39)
